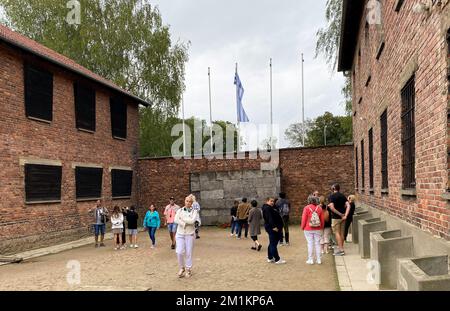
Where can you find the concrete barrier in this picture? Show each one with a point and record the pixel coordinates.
(363, 214)
(365, 227)
(386, 247)
(429, 273)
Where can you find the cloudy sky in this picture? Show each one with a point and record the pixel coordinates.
(251, 32)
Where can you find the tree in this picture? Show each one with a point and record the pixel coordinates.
(338, 131)
(328, 45)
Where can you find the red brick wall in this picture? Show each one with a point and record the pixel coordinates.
(411, 41)
(303, 170)
(24, 138)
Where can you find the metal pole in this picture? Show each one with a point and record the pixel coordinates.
(271, 102)
(184, 130)
(303, 101)
(210, 110)
(238, 122)
(325, 134)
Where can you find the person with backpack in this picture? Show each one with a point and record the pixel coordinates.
(132, 218)
(284, 207)
(312, 225)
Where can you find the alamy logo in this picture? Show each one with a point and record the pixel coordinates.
(74, 15)
(374, 12)
(73, 277)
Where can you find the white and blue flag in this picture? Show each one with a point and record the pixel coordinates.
(241, 115)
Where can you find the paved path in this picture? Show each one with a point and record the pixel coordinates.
(220, 263)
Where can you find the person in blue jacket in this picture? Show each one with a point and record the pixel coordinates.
(152, 222)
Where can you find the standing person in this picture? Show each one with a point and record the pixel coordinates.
(117, 226)
(198, 221)
(340, 209)
(284, 207)
(132, 219)
(124, 235)
(273, 225)
(326, 234)
(254, 219)
(316, 194)
(349, 220)
(152, 223)
(242, 215)
(100, 220)
(312, 225)
(169, 219)
(234, 220)
(185, 218)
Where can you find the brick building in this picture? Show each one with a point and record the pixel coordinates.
(67, 137)
(400, 73)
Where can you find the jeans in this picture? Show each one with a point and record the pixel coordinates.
(152, 234)
(242, 223)
(274, 238)
(286, 229)
(313, 238)
(99, 229)
(234, 226)
(185, 247)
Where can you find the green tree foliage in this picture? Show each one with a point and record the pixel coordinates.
(124, 41)
(338, 131)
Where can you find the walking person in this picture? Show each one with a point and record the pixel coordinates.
(169, 219)
(132, 218)
(340, 209)
(152, 223)
(312, 225)
(273, 225)
(242, 215)
(234, 221)
(100, 220)
(254, 219)
(185, 218)
(349, 220)
(284, 207)
(326, 233)
(117, 227)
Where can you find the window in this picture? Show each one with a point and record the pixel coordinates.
(84, 107)
(121, 183)
(380, 50)
(371, 158)
(88, 182)
(362, 165)
(384, 150)
(356, 168)
(118, 117)
(42, 183)
(408, 135)
(38, 93)
(398, 5)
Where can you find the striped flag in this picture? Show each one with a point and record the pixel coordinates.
(241, 115)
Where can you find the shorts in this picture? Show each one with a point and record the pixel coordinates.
(254, 238)
(132, 231)
(338, 225)
(325, 239)
(172, 227)
(117, 231)
(99, 229)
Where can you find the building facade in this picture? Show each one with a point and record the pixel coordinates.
(397, 55)
(67, 138)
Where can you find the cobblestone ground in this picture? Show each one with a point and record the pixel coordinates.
(220, 263)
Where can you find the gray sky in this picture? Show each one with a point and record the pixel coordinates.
(251, 32)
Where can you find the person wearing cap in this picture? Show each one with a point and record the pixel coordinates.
(169, 217)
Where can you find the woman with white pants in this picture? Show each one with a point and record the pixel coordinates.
(312, 225)
(185, 218)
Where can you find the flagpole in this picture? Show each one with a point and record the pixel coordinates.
(271, 99)
(184, 130)
(237, 114)
(210, 110)
(303, 102)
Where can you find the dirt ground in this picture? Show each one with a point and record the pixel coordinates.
(220, 263)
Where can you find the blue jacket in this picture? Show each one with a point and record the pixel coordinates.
(152, 220)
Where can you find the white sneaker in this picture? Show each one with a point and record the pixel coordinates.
(152, 247)
(136, 246)
(271, 260)
(280, 262)
(310, 262)
(319, 262)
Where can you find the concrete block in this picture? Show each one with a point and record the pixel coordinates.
(232, 189)
(265, 182)
(252, 174)
(195, 186)
(211, 204)
(365, 227)
(212, 195)
(356, 218)
(207, 177)
(263, 193)
(386, 247)
(429, 273)
(211, 185)
(195, 177)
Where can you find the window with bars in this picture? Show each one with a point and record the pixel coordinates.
(371, 158)
(408, 135)
(384, 150)
(88, 182)
(356, 168)
(362, 166)
(121, 183)
(42, 183)
(84, 107)
(38, 93)
(118, 117)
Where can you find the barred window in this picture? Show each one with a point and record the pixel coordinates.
(362, 165)
(38, 93)
(384, 150)
(121, 183)
(84, 107)
(42, 183)
(371, 158)
(88, 182)
(356, 168)
(118, 117)
(408, 135)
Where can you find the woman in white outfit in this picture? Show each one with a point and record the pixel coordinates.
(185, 218)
